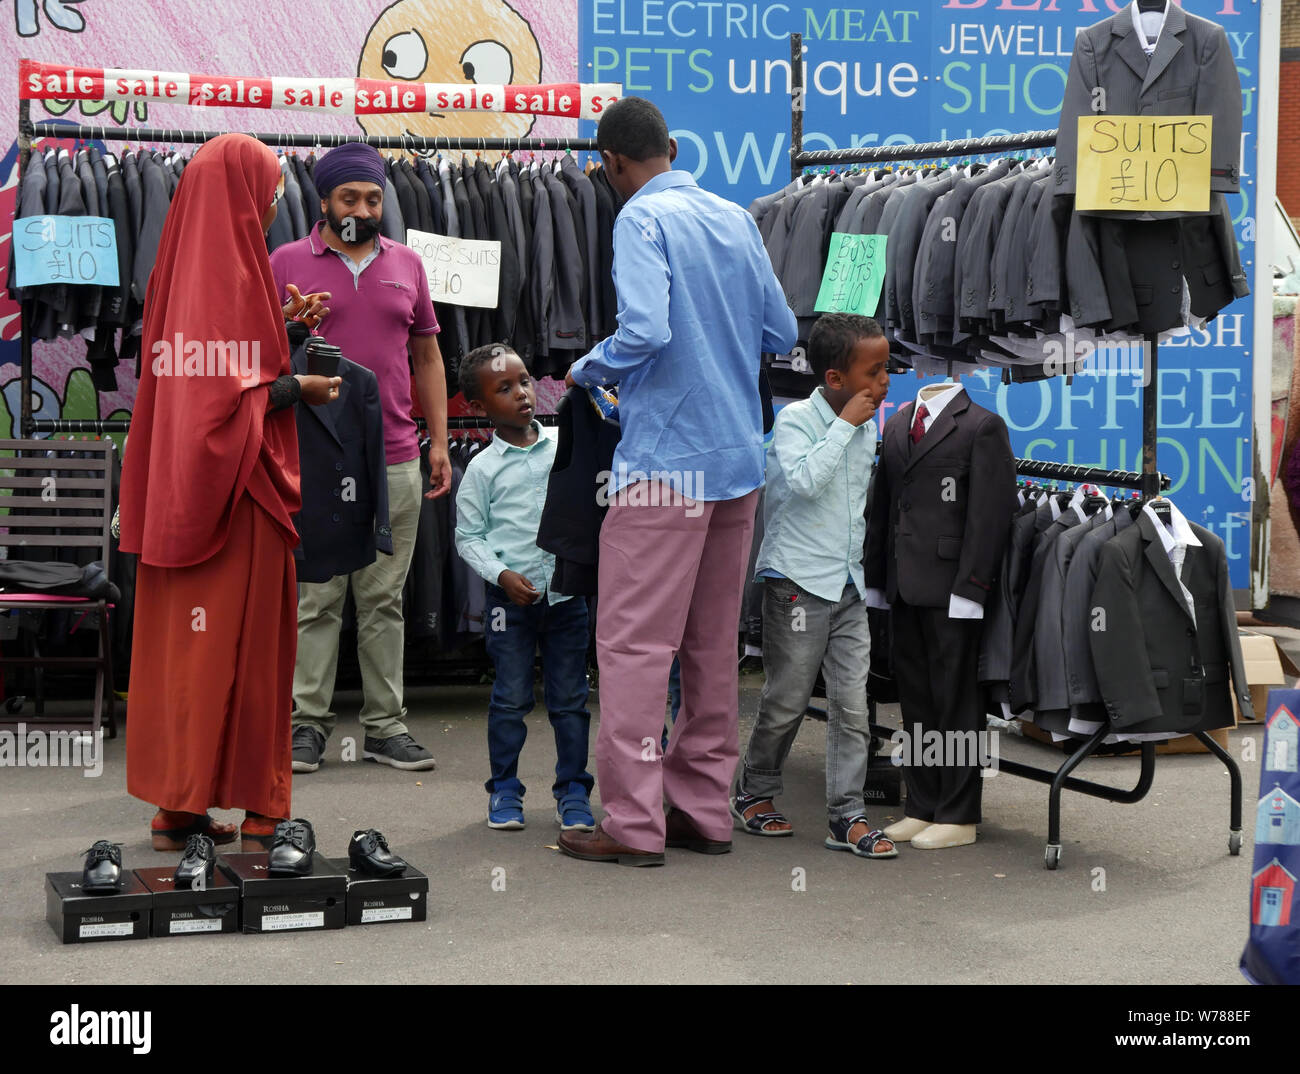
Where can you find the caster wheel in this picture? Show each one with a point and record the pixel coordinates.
(1052, 857)
(1234, 843)
(14, 705)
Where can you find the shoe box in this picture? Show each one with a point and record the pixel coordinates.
(187, 911)
(287, 903)
(884, 785)
(79, 916)
(373, 899)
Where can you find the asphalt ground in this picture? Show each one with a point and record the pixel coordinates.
(1145, 893)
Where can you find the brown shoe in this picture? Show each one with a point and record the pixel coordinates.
(683, 833)
(600, 846)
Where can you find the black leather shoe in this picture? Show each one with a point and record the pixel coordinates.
(368, 853)
(292, 846)
(103, 871)
(200, 857)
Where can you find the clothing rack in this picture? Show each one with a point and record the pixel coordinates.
(408, 142)
(1150, 482)
(479, 423)
(29, 130)
(1060, 471)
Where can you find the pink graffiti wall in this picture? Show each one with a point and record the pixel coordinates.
(423, 40)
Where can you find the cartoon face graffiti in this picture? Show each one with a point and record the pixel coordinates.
(462, 42)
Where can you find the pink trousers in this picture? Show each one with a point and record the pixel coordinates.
(672, 576)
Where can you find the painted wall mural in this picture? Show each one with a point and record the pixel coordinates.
(524, 41)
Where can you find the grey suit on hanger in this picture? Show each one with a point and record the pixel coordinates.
(292, 200)
(933, 289)
(1192, 72)
(155, 201)
(586, 195)
(1159, 669)
(1082, 690)
(567, 323)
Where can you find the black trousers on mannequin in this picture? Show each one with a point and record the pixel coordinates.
(936, 668)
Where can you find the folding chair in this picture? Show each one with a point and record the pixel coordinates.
(57, 495)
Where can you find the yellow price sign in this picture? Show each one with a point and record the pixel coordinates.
(1144, 163)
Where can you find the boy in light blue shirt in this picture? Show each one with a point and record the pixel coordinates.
(818, 470)
(498, 509)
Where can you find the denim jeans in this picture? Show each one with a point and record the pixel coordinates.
(674, 698)
(800, 632)
(561, 632)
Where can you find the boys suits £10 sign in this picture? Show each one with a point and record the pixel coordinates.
(854, 274)
(462, 272)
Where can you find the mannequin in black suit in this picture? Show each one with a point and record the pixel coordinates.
(935, 541)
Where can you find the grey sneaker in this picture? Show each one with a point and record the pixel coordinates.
(400, 751)
(308, 748)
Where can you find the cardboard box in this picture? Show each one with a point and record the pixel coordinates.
(373, 900)
(191, 911)
(287, 903)
(78, 916)
(1266, 666)
(1185, 744)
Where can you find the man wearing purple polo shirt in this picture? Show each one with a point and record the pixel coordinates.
(378, 303)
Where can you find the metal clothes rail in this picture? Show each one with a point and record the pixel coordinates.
(1150, 482)
(29, 130)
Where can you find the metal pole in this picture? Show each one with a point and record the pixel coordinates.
(408, 142)
(1150, 425)
(796, 104)
(25, 305)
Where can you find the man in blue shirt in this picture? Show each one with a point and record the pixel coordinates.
(698, 304)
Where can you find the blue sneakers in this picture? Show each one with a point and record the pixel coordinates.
(573, 810)
(506, 811)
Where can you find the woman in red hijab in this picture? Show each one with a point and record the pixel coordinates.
(209, 488)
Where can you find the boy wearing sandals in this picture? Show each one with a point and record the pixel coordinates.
(818, 469)
(498, 509)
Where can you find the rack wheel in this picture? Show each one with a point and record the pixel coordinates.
(15, 704)
(1234, 843)
(1052, 856)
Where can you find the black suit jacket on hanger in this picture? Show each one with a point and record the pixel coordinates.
(1158, 669)
(939, 509)
(342, 523)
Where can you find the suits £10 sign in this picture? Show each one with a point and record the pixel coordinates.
(1144, 163)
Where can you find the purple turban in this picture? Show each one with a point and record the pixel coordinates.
(354, 162)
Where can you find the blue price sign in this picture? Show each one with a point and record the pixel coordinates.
(65, 249)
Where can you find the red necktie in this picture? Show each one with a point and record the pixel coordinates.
(918, 426)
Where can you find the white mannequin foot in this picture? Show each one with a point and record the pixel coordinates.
(905, 829)
(942, 836)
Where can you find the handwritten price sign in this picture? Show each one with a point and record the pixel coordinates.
(65, 249)
(1144, 163)
(854, 275)
(461, 272)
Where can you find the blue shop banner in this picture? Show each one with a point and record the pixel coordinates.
(890, 74)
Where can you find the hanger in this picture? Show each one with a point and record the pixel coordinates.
(1163, 509)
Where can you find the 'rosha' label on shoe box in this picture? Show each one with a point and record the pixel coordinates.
(79, 916)
(287, 903)
(374, 900)
(213, 906)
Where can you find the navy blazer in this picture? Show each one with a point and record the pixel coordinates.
(344, 516)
